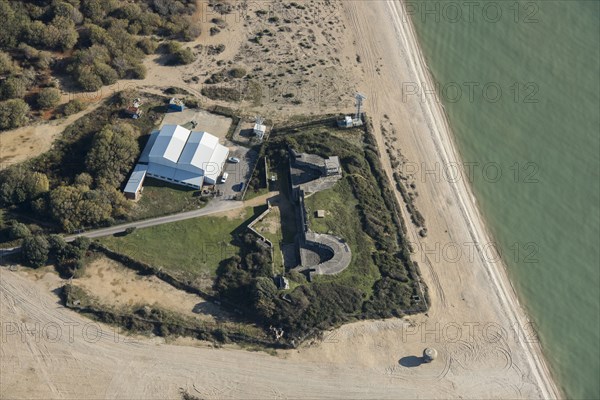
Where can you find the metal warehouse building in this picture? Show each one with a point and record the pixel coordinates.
(178, 155)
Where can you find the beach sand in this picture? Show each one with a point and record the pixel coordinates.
(486, 347)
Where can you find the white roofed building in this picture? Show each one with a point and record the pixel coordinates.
(259, 130)
(176, 154)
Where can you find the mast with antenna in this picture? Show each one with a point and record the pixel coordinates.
(359, 101)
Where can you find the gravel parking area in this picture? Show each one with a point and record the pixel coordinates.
(239, 173)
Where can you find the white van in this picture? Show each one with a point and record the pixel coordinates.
(224, 177)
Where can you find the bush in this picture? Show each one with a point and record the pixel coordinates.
(35, 251)
(13, 113)
(180, 55)
(48, 98)
(191, 31)
(184, 56)
(222, 93)
(138, 71)
(108, 75)
(192, 102)
(390, 298)
(84, 179)
(73, 107)
(237, 72)
(147, 45)
(88, 80)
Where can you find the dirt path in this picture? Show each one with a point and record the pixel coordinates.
(21, 144)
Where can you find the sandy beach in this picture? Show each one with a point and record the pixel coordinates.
(486, 346)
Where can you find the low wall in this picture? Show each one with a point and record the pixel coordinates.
(263, 238)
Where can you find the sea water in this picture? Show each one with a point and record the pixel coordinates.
(520, 84)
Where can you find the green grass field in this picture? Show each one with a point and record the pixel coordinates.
(191, 248)
(342, 220)
(162, 198)
(251, 194)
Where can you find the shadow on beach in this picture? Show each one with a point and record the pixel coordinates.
(410, 361)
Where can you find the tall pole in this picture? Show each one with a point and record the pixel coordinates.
(359, 100)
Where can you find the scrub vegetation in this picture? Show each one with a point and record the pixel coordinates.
(82, 45)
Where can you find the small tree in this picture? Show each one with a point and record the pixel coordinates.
(81, 244)
(18, 231)
(48, 98)
(84, 179)
(7, 64)
(58, 246)
(13, 113)
(35, 251)
(13, 88)
(44, 59)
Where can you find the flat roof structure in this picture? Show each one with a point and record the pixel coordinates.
(135, 182)
(327, 166)
(332, 165)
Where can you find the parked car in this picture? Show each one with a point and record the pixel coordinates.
(233, 160)
(224, 177)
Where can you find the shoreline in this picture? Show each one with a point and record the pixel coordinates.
(447, 150)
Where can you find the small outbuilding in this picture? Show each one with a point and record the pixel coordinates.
(332, 166)
(345, 122)
(176, 104)
(320, 213)
(133, 188)
(259, 130)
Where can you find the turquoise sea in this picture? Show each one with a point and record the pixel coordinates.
(533, 115)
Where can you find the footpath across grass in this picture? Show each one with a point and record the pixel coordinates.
(189, 249)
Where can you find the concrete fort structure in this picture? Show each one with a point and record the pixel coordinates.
(319, 254)
(180, 156)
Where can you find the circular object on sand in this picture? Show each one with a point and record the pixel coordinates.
(429, 354)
